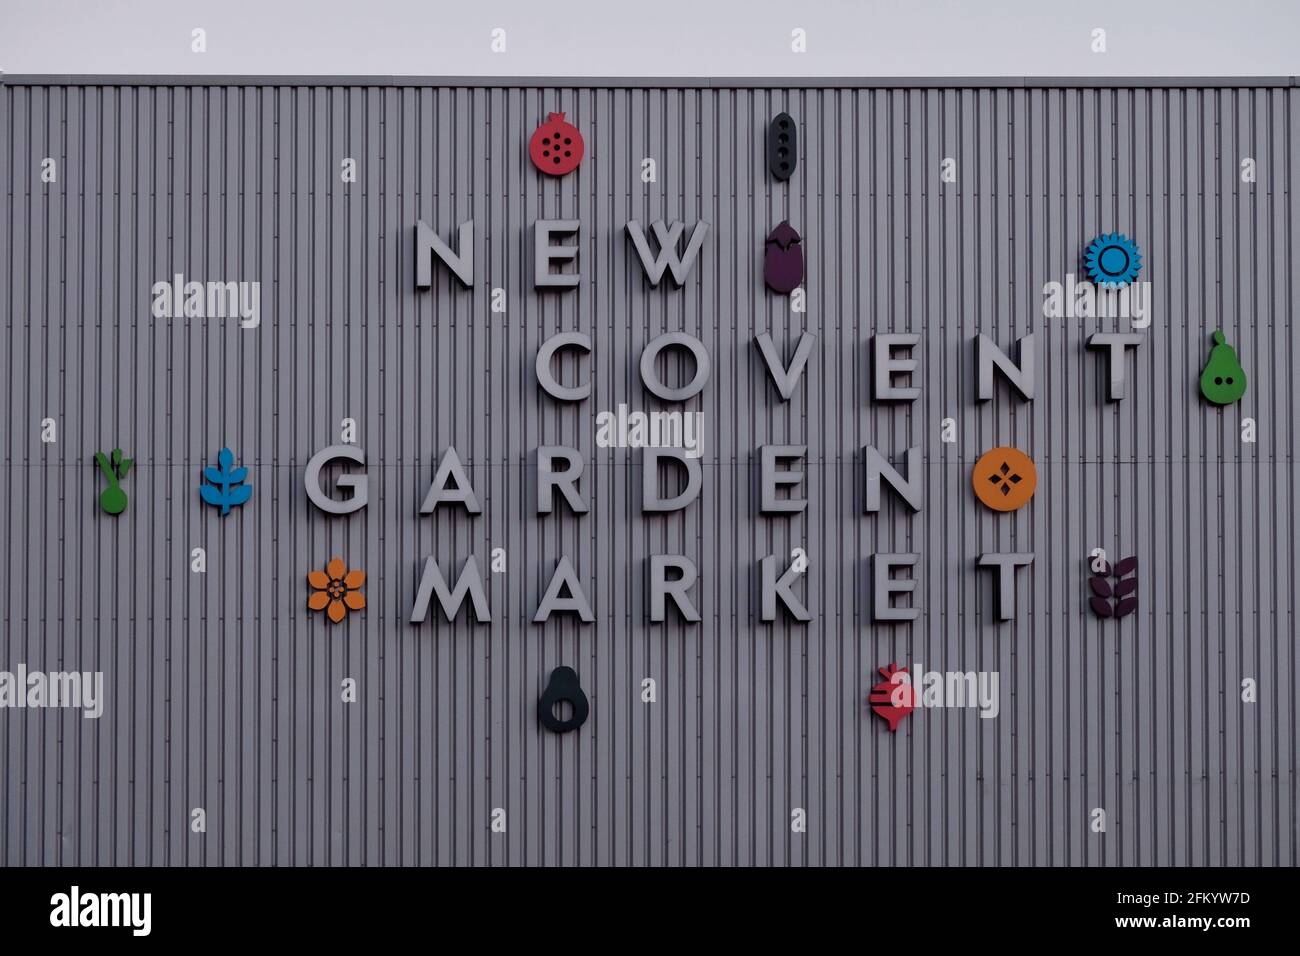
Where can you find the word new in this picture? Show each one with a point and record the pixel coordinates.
(555, 251)
(208, 300)
(74, 908)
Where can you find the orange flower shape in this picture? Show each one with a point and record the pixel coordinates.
(1004, 478)
(337, 589)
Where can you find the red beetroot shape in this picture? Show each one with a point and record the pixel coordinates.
(883, 701)
(556, 147)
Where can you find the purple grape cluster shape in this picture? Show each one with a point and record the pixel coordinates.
(1123, 593)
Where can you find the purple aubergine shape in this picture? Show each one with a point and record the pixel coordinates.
(783, 259)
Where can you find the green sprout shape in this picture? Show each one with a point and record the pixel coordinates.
(113, 499)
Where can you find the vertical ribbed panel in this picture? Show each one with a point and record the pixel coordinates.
(223, 690)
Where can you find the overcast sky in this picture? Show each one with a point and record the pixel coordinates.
(654, 37)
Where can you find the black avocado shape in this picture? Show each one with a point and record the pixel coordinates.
(563, 686)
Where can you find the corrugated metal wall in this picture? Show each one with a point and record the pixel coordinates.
(223, 690)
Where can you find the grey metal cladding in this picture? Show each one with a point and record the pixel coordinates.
(222, 689)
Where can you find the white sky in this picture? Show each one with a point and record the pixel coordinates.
(654, 37)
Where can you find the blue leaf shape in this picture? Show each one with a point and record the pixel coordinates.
(237, 475)
(211, 495)
(225, 458)
(214, 475)
(237, 496)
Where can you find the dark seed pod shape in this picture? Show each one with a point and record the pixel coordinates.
(782, 147)
(563, 686)
(1123, 593)
(783, 259)
(1100, 607)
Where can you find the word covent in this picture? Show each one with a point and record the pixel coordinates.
(560, 469)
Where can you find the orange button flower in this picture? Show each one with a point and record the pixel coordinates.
(337, 589)
(1004, 478)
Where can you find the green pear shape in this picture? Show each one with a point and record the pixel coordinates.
(1223, 380)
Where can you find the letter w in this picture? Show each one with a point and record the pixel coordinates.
(667, 259)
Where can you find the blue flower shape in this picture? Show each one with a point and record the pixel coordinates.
(1112, 260)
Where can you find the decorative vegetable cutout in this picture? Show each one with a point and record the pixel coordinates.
(1123, 592)
(783, 259)
(556, 147)
(892, 699)
(1223, 380)
(562, 687)
(113, 498)
(782, 146)
(224, 487)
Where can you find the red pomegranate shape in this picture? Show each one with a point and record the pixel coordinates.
(556, 146)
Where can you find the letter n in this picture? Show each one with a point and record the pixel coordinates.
(429, 244)
(988, 357)
(909, 488)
